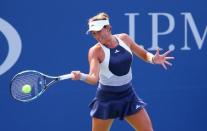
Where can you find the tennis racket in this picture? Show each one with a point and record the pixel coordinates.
(30, 84)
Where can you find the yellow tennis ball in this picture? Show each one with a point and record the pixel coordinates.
(26, 89)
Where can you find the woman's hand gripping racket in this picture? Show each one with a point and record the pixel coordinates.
(30, 84)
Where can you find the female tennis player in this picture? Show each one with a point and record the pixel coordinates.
(110, 66)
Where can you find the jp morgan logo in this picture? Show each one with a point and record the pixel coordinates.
(14, 45)
(189, 25)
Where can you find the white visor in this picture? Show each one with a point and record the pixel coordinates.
(97, 25)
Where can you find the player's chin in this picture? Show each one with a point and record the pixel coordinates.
(101, 40)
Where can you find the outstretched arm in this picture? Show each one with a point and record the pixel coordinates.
(145, 55)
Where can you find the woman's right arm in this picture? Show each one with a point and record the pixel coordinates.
(94, 64)
(93, 76)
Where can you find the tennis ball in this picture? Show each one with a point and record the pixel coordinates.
(26, 89)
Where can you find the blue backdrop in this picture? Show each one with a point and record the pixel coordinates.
(52, 40)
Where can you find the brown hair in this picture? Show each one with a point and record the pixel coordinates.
(99, 16)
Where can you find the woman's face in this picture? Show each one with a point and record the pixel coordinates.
(101, 36)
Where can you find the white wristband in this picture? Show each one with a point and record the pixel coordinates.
(150, 58)
(83, 77)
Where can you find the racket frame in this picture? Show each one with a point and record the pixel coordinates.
(54, 79)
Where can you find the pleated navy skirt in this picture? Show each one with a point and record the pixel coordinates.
(113, 102)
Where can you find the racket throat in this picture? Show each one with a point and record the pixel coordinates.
(47, 84)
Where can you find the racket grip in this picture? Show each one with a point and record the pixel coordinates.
(64, 77)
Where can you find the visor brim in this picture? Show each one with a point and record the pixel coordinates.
(95, 28)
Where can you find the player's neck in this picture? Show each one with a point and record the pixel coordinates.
(112, 42)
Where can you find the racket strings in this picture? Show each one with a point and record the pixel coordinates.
(34, 80)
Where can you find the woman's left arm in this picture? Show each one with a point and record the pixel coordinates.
(139, 51)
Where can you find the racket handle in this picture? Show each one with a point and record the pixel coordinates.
(63, 77)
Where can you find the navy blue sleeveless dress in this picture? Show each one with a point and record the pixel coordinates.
(115, 96)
